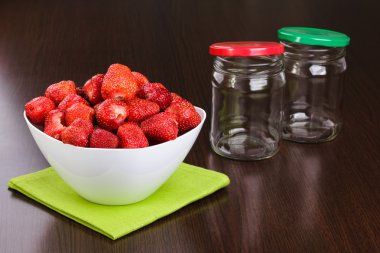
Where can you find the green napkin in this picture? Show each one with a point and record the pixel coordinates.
(188, 184)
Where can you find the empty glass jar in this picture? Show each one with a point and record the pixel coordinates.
(247, 99)
(314, 68)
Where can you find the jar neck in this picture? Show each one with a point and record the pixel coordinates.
(312, 53)
(249, 66)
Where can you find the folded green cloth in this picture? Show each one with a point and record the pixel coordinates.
(188, 184)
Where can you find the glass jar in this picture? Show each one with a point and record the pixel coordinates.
(314, 67)
(247, 98)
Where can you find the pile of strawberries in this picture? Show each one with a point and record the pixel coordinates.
(120, 109)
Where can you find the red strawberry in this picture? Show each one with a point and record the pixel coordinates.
(101, 138)
(162, 98)
(77, 133)
(54, 124)
(188, 119)
(80, 91)
(160, 127)
(84, 124)
(110, 114)
(140, 79)
(119, 83)
(79, 111)
(69, 100)
(175, 97)
(58, 91)
(37, 109)
(140, 109)
(131, 136)
(92, 89)
(148, 89)
(178, 104)
(156, 92)
(186, 114)
(96, 107)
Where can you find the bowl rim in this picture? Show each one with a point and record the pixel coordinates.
(199, 110)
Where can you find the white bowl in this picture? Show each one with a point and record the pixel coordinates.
(115, 176)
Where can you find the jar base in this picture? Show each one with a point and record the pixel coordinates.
(310, 131)
(243, 147)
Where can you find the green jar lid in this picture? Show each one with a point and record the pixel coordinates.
(313, 36)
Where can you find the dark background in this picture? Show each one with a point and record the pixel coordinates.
(308, 198)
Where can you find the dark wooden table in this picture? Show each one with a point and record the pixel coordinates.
(308, 198)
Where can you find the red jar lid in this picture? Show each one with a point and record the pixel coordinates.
(246, 48)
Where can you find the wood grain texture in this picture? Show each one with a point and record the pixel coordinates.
(308, 198)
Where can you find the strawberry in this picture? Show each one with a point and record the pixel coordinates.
(185, 113)
(156, 92)
(140, 79)
(96, 107)
(131, 136)
(101, 138)
(162, 98)
(54, 124)
(119, 83)
(84, 124)
(77, 133)
(177, 104)
(92, 89)
(140, 109)
(160, 127)
(110, 114)
(80, 91)
(175, 97)
(69, 100)
(37, 109)
(188, 119)
(58, 91)
(79, 111)
(148, 89)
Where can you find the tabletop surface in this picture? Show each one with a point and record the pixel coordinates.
(307, 198)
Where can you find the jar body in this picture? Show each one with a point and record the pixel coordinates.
(247, 101)
(313, 97)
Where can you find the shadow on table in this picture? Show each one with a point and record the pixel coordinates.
(275, 199)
